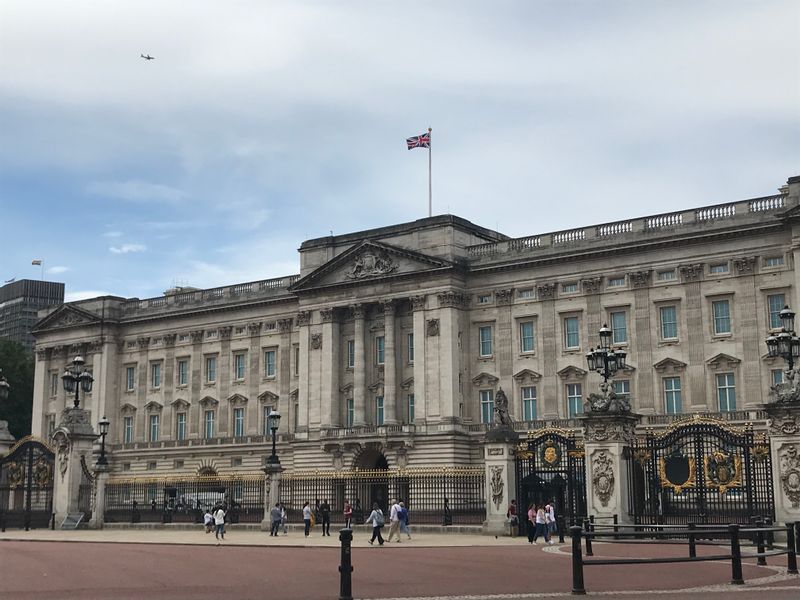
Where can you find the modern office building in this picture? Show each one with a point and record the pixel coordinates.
(20, 303)
(389, 346)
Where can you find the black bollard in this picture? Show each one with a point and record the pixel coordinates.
(346, 568)
(762, 560)
(791, 561)
(588, 528)
(736, 556)
(578, 588)
(692, 541)
(616, 529)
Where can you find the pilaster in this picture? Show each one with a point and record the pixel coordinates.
(359, 368)
(73, 439)
(330, 395)
(390, 364)
(272, 492)
(98, 510)
(501, 480)
(784, 432)
(303, 321)
(420, 359)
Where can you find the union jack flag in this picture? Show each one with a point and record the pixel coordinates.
(419, 141)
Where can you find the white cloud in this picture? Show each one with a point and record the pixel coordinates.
(128, 248)
(112, 234)
(83, 295)
(57, 270)
(136, 191)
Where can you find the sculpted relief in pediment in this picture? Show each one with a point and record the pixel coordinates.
(370, 263)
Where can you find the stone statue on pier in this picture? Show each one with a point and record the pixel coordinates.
(789, 390)
(501, 416)
(607, 401)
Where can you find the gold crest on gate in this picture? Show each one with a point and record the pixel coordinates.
(723, 471)
(550, 454)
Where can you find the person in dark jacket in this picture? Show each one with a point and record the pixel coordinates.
(325, 512)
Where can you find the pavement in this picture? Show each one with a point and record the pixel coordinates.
(187, 564)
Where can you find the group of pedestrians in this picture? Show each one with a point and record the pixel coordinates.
(215, 519)
(398, 522)
(541, 522)
(277, 519)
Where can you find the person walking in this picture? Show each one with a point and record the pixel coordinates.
(552, 524)
(275, 519)
(219, 521)
(530, 524)
(348, 515)
(208, 521)
(404, 520)
(307, 517)
(283, 519)
(541, 525)
(325, 511)
(394, 521)
(376, 518)
(513, 518)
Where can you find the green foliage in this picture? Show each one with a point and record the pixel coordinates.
(18, 368)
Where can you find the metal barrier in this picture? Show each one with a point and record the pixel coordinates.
(732, 531)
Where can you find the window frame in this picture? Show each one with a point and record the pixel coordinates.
(411, 407)
(486, 403)
(211, 368)
(729, 389)
(574, 400)
(379, 411)
(130, 378)
(350, 352)
(154, 425)
(270, 366)
(209, 429)
(410, 347)
(485, 341)
(380, 350)
(568, 333)
(717, 321)
(155, 375)
(614, 329)
(672, 395)
(662, 323)
(523, 337)
(238, 422)
(180, 426)
(239, 365)
(350, 412)
(183, 371)
(528, 402)
(128, 430)
(774, 325)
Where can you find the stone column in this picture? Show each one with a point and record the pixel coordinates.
(198, 377)
(420, 360)
(303, 387)
(501, 478)
(329, 393)
(224, 380)
(605, 438)
(390, 365)
(359, 369)
(73, 438)
(784, 430)
(550, 382)
(99, 506)
(272, 492)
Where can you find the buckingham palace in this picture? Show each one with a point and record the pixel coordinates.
(392, 347)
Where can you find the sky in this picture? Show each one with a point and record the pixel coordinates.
(261, 124)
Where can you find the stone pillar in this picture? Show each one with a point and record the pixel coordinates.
(359, 369)
(390, 365)
(606, 437)
(420, 359)
(272, 492)
(784, 431)
(73, 438)
(329, 393)
(303, 321)
(99, 505)
(501, 478)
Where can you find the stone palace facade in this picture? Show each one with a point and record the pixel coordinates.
(388, 348)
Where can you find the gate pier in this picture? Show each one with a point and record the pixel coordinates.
(501, 481)
(73, 440)
(608, 438)
(784, 429)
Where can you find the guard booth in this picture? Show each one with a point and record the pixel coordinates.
(26, 485)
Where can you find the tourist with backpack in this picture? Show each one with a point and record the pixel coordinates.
(377, 520)
(403, 514)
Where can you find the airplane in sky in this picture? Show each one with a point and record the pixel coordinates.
(148, 57)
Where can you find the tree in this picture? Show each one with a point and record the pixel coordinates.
(18, 368)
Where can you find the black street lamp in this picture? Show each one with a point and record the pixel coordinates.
(103, 425)
(5, 388)
(785, 344)
(273, 420)
(75, 379)
(604, 359)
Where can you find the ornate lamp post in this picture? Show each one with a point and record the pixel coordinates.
(785, 344)
(604, 359)
(5, 388)
(74, 380)
(103, 424)
(273, 420)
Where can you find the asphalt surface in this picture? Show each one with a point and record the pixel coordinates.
(123, 571)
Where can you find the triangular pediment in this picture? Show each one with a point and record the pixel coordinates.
(66, 315)
(369, 261)
(209, 402)
(153, 406)
(127, 408)
(484, 379)
(723, 361)
(237, 399)
(378, 385)
(572, 372)
(407, 384)
(267, 396)
(669, 365)
(180, 404)
(527, 376)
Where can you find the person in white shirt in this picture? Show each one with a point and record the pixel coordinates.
(376, 518)
(307, 517)
(219, 521)
(552, 526)
(394, 521)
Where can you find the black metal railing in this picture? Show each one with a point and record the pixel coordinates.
(436, 495)
(185, 499)
(633, 534)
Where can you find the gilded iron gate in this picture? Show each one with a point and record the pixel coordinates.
(700, 471)
(26, 485)
(550, 467)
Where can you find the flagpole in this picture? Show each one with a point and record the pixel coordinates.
(430, 187)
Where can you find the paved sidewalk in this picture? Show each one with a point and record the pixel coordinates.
(242, 537)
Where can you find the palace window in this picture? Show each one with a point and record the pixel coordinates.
(526, 341)
(155, 375)
(411, 408)
(574, 400)
(53, 384)
(775, 302)
(410, 343)
(239, 366)
(726, 392)
(351, 354)
(484, 298)
(378, 410)
(673, 404)
(526, 293)
(622, 388)
(211, 369)
(529, 403)
(485, 340)
(572, 338)
(180, 426)
(208, 424)
(379, 350)
(487, 406)
(722, 317)
(154, 423)
(616, 281)
(127, 430)
(773, 261)
(667, 275)
(130, 377)
(669, 322)
(718, 269)
(269, 363)
(777, 376)
(183, 372)
(569, 288)
(265, 412)
(238, 422)
(351, 411)
(297, 361)
(619, 328)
